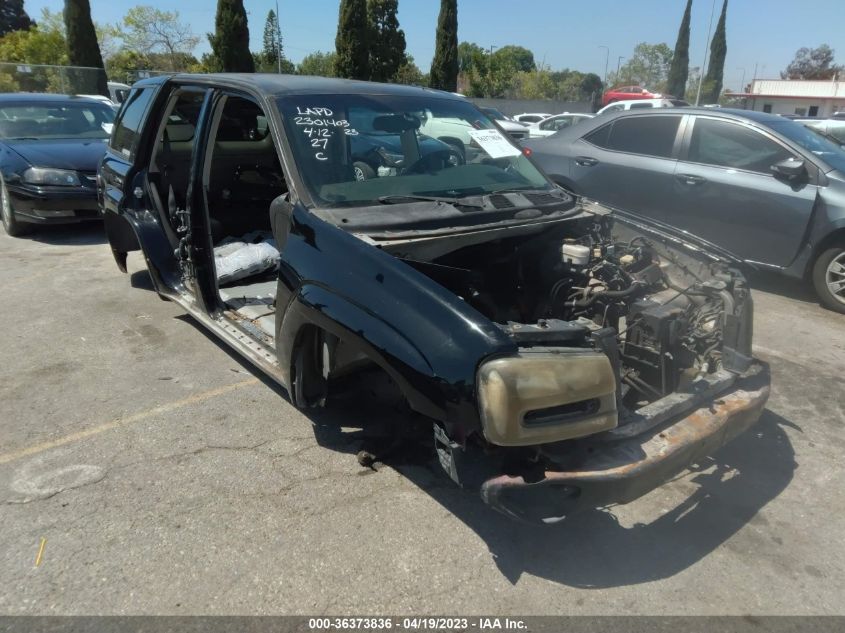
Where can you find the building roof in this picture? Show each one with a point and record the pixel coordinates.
(797, 88)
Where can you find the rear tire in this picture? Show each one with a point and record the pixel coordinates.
(10, 223)
(829, 278)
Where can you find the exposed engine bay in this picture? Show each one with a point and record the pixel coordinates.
(658, 312)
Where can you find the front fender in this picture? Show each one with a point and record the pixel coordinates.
(427, 339)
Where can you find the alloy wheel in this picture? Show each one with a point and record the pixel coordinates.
(835, 277)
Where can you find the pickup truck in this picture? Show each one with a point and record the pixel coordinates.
(561, 355)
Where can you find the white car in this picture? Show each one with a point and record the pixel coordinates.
(556, 123)
(531, 117)
(636, 104)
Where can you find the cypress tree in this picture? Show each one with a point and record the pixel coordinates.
(352, 41)
(387, 51)
(716, 67)
(679, 70)
(230, 42)
(83, 49)
(444, 67)
(13, 17)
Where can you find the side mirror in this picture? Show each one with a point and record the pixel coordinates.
(790, 169)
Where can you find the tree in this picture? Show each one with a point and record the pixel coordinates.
(676, 83)
(230, 41)
(444, 67)
(352, 41)
(272, 39)
(147, 30)
(410, 74)
(648, 66)
(813, 63)
(13, 17)
(387, 51)
(468, 53)
(517, 56)
(318, 64)
(716, 66)
(83, 49)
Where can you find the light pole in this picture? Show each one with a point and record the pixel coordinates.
(706, 48)
(278, 35)
(491, 48)
(742, 84)
(618, 66)
(606, 60)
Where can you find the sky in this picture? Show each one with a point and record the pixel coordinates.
(561, 33)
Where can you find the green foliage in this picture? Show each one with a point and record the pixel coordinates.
(34, 47)
(318, 64)
(648, 66)
(352, 59)
(387, 48)
(813, 63)
(147, 30)
(516, 56)
(124, 66)
(410, 74)
(83, 49)
(13, 17)
(563, 85)
(679, 69)
(272, 39)
(230, 40)
(712, 88)
(444, 67)
(267, 61)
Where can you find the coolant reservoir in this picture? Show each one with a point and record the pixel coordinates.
(575, 254)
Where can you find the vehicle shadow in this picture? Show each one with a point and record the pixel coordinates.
(589, 550)
(774, 283)
(82, 234)
(593, 550)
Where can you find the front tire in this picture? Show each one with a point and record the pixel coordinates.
(829, 278)
(13, 227)
(363, 171)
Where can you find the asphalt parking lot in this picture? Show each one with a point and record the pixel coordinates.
(147, 470)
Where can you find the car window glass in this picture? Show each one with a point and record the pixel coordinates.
(635, 106)
(647, 135)
(599, 137)
(127, 129)
(731, 145)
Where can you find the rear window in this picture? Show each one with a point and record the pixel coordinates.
(127, 130)
(646, 135)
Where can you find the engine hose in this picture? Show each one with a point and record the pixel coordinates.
(607, 294)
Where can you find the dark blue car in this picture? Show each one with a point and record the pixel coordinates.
(50, 146)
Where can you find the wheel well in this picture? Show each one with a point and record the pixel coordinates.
(836, 237)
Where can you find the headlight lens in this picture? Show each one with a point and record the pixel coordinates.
(51, 177)
(537, 398)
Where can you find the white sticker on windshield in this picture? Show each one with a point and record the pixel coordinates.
(492, 142)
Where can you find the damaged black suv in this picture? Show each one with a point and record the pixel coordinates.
(566, 355)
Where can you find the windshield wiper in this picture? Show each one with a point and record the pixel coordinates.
(398, 199)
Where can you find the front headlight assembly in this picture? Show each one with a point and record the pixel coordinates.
(50, 177)
(537, 398)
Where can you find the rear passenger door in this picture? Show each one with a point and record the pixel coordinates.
(630, 163)
(725, 191)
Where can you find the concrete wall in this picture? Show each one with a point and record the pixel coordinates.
(511, 107)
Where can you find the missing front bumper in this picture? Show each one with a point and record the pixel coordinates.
(621, 471)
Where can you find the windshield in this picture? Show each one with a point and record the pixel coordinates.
(828, 151)
(37, 121)
(358, 150)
